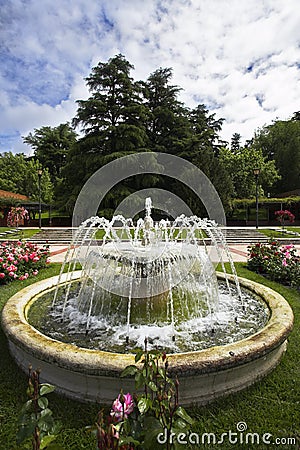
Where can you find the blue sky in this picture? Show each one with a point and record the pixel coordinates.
(238, 57)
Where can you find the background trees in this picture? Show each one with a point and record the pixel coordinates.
(280, 142)
(20, 174)
(51, 147)
(239, 165)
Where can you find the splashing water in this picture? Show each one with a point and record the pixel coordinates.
(155, 280)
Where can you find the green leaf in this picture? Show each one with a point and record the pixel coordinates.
(57, 426)
(144, 404)
(43, 402)
(150, 441)
(139, 380)
(139, 355)
(46, 388)
(181, 424)
(26, 407)
(129, 371)
(152, 386)
(181, 412)
(25, 432)
(128, 440)
(46, 412)
(46, 440)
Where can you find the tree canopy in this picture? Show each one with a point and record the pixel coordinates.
(20, 175)
(280, 142)
(51, 146)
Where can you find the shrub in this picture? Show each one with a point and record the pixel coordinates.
(19, 260)
(284, 214)
(16, 216)
(279, 263)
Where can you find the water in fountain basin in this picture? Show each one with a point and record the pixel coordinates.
(108, 330)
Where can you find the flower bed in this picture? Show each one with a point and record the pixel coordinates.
(20, 260)
(279, 263)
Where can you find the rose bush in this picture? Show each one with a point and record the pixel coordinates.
(137, 421)
(20, 260)
(279, 263)
(17, 215)
(284, 214)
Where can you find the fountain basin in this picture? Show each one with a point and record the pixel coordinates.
(93, 375)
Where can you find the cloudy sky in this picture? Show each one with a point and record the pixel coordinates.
(241, 58)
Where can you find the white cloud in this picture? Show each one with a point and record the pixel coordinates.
(238, 57)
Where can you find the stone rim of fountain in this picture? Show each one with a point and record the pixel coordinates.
(23, 336)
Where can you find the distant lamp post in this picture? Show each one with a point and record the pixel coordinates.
(40, 172)
(256, 173)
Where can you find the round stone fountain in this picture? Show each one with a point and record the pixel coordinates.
(222, 333)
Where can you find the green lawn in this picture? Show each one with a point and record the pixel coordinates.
(23, 233)
(270, 406)
(272, 234)
(296, 229)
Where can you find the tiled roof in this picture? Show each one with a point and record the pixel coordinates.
(7, 194)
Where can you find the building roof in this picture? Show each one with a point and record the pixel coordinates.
(7, 194)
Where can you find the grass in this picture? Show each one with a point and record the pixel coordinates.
(272, 234)
(296, 229)
(23, 233)
(270, 406)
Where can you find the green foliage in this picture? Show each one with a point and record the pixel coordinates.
(36, 419)
(235, 142)
(51, 146)
(20, 175)
(166, 120)
(240, 165)
(280, 142)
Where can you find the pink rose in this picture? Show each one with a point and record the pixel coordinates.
(122, 406)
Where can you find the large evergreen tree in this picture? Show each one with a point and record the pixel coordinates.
(167, 123)
(112, 120)
(202, 148)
